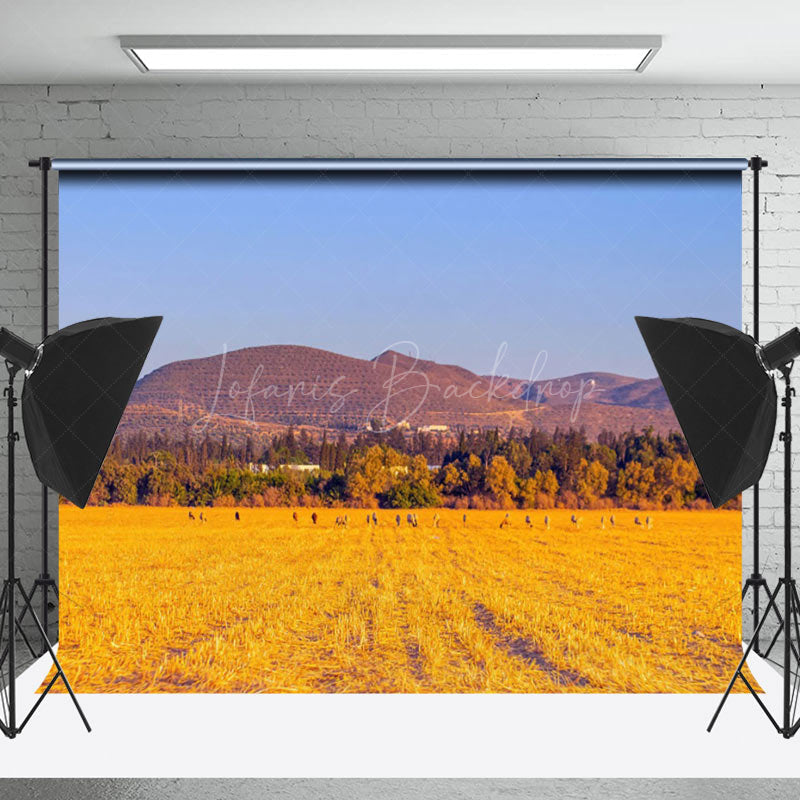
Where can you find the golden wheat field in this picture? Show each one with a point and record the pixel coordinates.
(153, 601)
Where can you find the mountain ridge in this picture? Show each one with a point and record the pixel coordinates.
(266, 387)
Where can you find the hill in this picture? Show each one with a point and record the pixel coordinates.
(604, 388)
(258, 390)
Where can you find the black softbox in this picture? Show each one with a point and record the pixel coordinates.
(74, 397)
(722, 395)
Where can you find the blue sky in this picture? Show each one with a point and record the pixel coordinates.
(548, 271)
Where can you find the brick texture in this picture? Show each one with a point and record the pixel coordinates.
(401, 120)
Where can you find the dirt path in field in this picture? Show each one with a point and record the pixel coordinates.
(179, 651)
(516, 646)
(525, 649)
(411, 645)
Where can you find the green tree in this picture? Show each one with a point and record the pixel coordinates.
(528, 493)
(122, 488)
(546, 482)
(592, 481)
(501, 481)
(635, 483)
(452, 479)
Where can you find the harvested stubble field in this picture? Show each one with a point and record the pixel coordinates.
(155, 602)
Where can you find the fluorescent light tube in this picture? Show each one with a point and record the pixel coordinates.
(390, 54)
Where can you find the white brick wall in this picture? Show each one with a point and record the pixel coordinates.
(399, 120)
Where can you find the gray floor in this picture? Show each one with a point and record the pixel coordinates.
(399, 789)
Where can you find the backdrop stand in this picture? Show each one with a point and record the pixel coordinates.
(756, 581)
(45, 584)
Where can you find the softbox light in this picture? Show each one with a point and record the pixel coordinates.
(720, 383)
(722, 395)
(75, 394)
(77, 384)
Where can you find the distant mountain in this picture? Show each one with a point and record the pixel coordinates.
(605, 388)
(257, 390)
(647, 393)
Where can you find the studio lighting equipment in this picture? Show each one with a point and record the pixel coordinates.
(77, 384)
(720, 383)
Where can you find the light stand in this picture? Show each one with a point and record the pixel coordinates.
(78, 381)
(790, 622)
(721, 385)
(10, 624)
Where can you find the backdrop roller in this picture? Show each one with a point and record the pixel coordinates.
(77, 384)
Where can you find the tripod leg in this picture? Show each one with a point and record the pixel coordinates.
(3, 600)
(4, 654)
(761, 703)
(60, 671)
(39, 701)
(3, 692)
(796, 599)
(794, 645)
(779, 630)
(796, 621)
(747, 652)
(45, 585)
(26, 606)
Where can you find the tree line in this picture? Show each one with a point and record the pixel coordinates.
(486, 469)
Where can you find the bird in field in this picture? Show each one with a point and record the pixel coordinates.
(612, 520)
(546, 522)
(374, 518)
(314, 518)
(436, 520)
(528, 521)
(602, 523)
(295, 517)
(237, 517)
(191, 516)
(637, 521)
(505, 522)
(464, 520)
(648, 521)
(397, 520)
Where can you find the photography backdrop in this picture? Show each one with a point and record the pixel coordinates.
(455, 337)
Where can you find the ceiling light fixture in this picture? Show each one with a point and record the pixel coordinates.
(392, 54)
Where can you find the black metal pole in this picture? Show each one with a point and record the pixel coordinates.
(787, 555)
(45, 581)
(755, 164)
(11, 585)
(44, 168)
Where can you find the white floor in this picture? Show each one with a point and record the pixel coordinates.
(400, 736)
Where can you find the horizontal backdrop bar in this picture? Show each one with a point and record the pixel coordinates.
(396, 164)
(393, 40)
